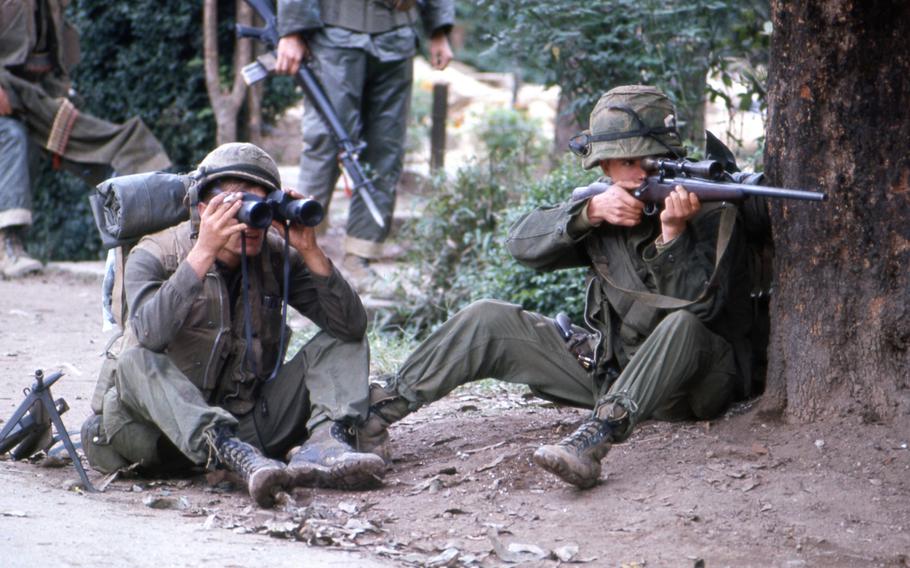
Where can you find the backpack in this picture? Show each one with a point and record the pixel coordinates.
(756, 222)
(125, 209)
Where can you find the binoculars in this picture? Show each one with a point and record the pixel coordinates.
(259, 212)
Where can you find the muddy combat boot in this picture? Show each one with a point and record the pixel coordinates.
(576, 459)
(14, 261)
(264, 477)
(328, 459)
(386, 408)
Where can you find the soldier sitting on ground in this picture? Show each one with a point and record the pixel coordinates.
(37, 50)
(195, 379)
(631, 360)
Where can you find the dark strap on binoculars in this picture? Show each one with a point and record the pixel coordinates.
(247, 308)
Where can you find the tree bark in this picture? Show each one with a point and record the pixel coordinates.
(565, 128)
(225, 102)
(839, 122)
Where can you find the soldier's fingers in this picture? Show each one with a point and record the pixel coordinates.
(225, 210)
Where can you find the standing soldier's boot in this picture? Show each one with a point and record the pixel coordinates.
(328, 459)
(264, 477)
(576, 459)
(386, 408)
(14, 261)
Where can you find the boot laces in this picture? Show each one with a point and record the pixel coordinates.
(590, 433)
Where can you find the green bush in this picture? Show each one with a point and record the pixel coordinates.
(138, 58)
(589, 47)
(459, 250)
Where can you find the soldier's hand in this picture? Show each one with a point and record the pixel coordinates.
(292, 49)
(218, 222)
(6, 108)
(440, 51)
(679, 207)
(303, 239)
(616, 206)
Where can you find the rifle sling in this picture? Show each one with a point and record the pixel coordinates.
(660, 301)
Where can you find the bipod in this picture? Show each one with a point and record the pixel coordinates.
(27, 427)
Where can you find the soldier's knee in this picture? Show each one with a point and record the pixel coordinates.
(13, 137)
(131, 365)
(487, 313)
(680, 322)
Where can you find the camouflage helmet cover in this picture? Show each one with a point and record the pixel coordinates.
(630, 122)
(239, 160)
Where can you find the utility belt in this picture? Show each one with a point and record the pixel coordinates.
(368, 16)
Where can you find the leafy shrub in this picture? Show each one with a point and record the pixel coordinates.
(138, 58)
(459, 241)
(589, 47)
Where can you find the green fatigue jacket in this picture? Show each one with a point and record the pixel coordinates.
(369, 17)
(200, 324)
(38, 48)
(551, 238)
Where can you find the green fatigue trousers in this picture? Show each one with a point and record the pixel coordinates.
(681, 371)
(152, 403)
(372, 99)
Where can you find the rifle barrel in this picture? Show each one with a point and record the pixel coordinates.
(656, 188)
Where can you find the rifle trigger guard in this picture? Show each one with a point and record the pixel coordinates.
(651, 209)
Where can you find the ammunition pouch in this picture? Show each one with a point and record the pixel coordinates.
(579, 343)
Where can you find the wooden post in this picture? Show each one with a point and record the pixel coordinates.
(438, 129)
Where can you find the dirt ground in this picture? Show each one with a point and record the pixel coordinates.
(462, 490)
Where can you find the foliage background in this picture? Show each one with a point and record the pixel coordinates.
(588, 47)
(138, 58)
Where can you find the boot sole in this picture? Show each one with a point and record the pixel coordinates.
(555, 464)
(364, 472)
(264, 483)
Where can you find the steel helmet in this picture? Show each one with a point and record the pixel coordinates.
(239, 160)
(629, 122)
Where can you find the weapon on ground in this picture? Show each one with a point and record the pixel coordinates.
(707, 179)
(29, 429)
(348, 150)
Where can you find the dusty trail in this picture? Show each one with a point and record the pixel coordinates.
(734, 492)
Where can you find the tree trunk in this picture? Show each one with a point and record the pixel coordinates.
(255, 94)
(839, 122)
(225, 103)
(565, 128)
(692, 106)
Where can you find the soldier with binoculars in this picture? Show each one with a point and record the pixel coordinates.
(200, 373)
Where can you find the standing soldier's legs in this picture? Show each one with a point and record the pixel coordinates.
(488, 339)
(15, 199)
(318, 396)
(683, 370)
(386, 103)
(341, 72)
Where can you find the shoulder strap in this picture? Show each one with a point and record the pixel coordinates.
(724, 233)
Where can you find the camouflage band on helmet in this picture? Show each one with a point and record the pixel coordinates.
(239, 160)
(629, 122)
